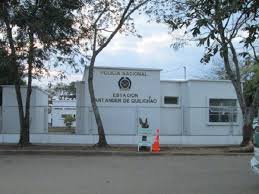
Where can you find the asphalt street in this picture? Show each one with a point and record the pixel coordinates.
(32, 174)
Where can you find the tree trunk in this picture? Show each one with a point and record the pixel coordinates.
(22, 141)
(102, 139)
(16, 76)
(248, 119)
(247, 127)
(25, 133)
(234, 76)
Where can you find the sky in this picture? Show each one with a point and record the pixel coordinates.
(153, 50)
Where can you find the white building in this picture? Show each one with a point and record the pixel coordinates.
(60, 109)
(186, 112)
(9, 114)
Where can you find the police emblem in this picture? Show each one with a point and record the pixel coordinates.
(124, 83)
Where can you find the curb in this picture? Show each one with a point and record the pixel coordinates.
(115, 153)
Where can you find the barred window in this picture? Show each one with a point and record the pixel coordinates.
(222, 110)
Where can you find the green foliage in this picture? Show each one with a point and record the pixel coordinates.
(6, 74)
(206, 20)
(66, 90)
(30, 31)
(68, 120)
(50, 23)
(71, 89)
(252, 82)
(217, 25)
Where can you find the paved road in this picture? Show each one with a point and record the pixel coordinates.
(127, 175)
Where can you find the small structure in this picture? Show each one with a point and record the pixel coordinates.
(9, 113)
(60, 109)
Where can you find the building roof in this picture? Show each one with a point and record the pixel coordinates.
(196, 80)
(155, 69)
(127, 68)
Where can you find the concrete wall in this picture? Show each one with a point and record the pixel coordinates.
(82, 109)
(120, 108)
(10, 114)
(191, 115)
(126, 140)
(39, 114)
(200, 92)
(171, 115)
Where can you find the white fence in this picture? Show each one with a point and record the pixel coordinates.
(178, 125)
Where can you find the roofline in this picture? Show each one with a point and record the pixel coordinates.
(125, 68)
(196, 80)
(33, 87)
(207, 80)
(178, 81)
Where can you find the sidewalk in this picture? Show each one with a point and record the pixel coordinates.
(122, 150)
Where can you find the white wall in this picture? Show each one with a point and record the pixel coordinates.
(191, 116)
(120, 109)
(171, 115)
(200, 92)
(39, 111)
(126, 140)
(82, 109)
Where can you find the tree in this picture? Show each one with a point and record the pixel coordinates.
(217, 25)
(249, 73)
(251, 82)
(103, 20)
(5, 70)
(31, 29)
(61, 90)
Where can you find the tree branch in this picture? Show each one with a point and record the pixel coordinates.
(235, 60)
(101, 14)
(116, 29)
(254, 52)
(125, 15)
(136, 8)
(95, 39)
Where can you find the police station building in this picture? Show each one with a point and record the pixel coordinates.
(186, 112)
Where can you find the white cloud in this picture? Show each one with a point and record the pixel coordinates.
(152, 50)
(153, 43)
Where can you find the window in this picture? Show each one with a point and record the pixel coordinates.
(222, 110)
(170, 100)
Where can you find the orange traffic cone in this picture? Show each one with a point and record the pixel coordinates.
(156, 144)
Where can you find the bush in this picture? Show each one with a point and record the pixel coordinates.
(68, 120)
